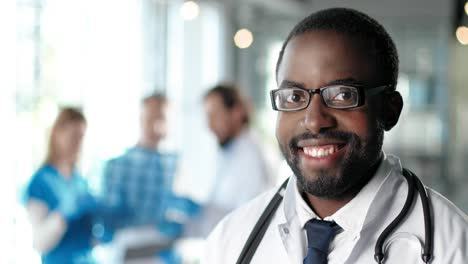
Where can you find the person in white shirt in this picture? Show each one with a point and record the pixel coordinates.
(242, 171)
(336, 76)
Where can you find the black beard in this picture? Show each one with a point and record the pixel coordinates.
(357, 168)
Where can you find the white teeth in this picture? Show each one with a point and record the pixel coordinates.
(321, 152)
(329, 151)
(314, 152)
(318, 152)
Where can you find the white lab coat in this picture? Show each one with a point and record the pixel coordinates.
(242, 174)
(284, 240)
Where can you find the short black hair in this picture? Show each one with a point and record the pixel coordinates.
(231, 97)
(357, 25)
(229, 94)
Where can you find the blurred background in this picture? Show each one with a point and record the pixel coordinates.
(105, 55)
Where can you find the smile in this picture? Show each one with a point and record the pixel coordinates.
(322, 155)
(320, 151)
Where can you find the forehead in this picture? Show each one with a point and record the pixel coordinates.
(155, 102)
(214, 100)
(154, 106)
(320, 57)
(74, 125)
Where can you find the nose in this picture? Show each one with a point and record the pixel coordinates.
(318, 117)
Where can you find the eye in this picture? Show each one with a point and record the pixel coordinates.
(295, 96)
(291, 99)
(343, 96)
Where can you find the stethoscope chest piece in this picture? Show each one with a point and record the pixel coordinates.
(414, 185)
(401, 242)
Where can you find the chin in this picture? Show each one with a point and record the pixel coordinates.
(323, 184)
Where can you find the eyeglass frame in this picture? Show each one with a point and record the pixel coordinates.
(361, 89)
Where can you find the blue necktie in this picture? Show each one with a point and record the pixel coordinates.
(319, 235)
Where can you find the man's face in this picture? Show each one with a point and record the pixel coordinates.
(332, 152)
(220, 119)
(153, 121)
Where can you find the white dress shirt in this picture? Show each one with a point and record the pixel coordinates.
(350, 217)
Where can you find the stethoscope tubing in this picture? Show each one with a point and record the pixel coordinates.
(413, 183)
(261, 226)
(428, 224)
(378, 251)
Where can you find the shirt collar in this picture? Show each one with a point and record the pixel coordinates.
(350, 217)
(140, 149)
(234, 141)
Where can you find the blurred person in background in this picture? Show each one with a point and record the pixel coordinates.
(58, 203)
(242, 172)
(138, 190)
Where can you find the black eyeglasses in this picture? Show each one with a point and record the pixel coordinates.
(333, 96)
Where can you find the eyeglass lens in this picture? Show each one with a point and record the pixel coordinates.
(334, 96)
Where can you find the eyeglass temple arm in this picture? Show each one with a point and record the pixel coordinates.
(377, 90)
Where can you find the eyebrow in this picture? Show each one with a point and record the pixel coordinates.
(285, 84)
(290, 84)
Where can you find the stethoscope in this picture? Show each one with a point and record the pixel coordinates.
(263, 222)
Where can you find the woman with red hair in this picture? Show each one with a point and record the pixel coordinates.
(58, 203)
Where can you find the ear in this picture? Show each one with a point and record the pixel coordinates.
(393, 104)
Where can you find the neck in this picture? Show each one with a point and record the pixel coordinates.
(63, 166)
(147, 144)
(235, 133)
(325, 207)
(238, 131)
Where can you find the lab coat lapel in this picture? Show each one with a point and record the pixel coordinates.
(288, 225)
(382, 211)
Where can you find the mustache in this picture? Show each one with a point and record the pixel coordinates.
(342, 136)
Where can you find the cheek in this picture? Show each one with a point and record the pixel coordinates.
(147, 126)
(224, 129)
(285, 127)
(63, 139)
(214, 123)
(75, 142)
(159, 126)
(361, 123)
(66, 143)
(222, 122)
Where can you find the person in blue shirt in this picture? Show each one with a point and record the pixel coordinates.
(138, 185)
(58, 203)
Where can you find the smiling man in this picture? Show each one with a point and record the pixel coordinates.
(336, 95)
(331, 137)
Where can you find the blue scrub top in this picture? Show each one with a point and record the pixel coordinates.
(75, 245)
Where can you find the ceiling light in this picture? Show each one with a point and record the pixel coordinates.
(462, 35)
(189, 10)
(243, 38)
